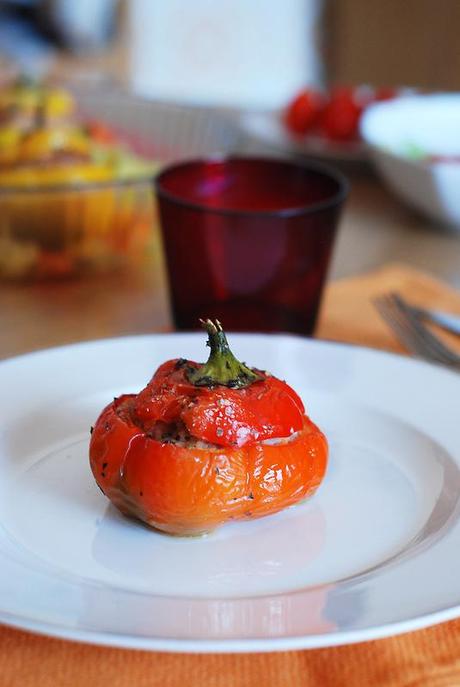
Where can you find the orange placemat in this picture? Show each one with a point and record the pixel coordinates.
(348, 313)
(428, 657)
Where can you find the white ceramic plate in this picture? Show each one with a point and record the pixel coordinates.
(267, 128)
(375, 552)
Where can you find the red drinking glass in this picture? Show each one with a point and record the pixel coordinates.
(248, 241)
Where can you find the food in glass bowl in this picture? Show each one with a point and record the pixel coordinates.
(20, 100)
(72, 197)
(204, 444)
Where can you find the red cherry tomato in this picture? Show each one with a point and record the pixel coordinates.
(303, 112)
(100, 132)
(340, 118)
(385, 93)
(337, 116)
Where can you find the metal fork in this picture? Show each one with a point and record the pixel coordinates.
(413, 332)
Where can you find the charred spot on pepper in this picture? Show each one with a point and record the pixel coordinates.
(102, 474)
(251, 496)
(180, 363)
(91, 429)
(206, 381)
(104, 465)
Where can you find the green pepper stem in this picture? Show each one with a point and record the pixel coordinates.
(221, 368)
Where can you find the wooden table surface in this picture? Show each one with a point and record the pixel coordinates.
(376, 229)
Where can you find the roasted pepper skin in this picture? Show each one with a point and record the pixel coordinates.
(268, 408)
(189, 491)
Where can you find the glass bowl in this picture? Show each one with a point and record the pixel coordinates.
(61, 231)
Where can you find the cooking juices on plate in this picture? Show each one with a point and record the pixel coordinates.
(42, 142)
(203, 444)
(248, 241)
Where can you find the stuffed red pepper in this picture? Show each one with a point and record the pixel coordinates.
(203, 444)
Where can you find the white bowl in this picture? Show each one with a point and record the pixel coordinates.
(400, 132)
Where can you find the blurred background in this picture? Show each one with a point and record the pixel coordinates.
(235, 52)
(96, 96)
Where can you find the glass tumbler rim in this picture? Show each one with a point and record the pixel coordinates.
(335, 200)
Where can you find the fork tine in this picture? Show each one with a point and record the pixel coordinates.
(445, 354)
(405, 334)
(431, 346)
(412, 332)
(424, 344)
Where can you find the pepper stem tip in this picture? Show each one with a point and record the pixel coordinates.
(221, 368)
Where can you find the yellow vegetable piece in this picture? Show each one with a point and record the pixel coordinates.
(40, 144)
(55, 175)
(10, 137)
(26, 99)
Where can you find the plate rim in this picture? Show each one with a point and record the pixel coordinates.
(227, 646)
(310, 340)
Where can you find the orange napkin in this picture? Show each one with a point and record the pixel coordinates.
(348, 313)
(428, 657)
